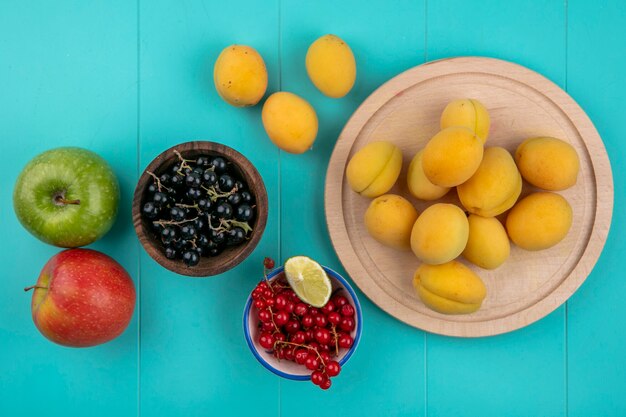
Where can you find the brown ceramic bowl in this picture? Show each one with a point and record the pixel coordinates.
(231, 256)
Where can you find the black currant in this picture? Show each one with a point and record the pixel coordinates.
(152, 188)
(235, 236)
(193, 180)
(244, 213)
(178, 213)
(150, 210)
(198, 170)
(240, 186)
(224, 211)
(217, 237)
(194, 193)
(168, 234)
(204, 204)
(191, 258)
(219, 164)
(165, 179)
(160, 199)
(209, 178)
(177, 181)
(199, 224)
(171, 252)
(246, 197)
(214, 248)
(226, 183)
(234, 199)
(175, 169)
(202, 161)
(188, 231)
(202, 240)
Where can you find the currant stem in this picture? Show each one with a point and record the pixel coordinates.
(36, 287)
(158, 181)
(303, 346)
(169, 222)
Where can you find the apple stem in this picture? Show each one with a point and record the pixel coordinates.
(62, 200)
(35, 286)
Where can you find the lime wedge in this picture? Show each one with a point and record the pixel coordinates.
(308, 280)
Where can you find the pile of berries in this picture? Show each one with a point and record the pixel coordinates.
(293, 330)
(199, 207)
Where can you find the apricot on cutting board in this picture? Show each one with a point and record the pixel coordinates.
(548, 163)
(468, 113)
(452, 156)
(439, 234)
(419, 186)
(450, 288)
(389, 219)
(488, 244)
(374, 169)
(539, 221)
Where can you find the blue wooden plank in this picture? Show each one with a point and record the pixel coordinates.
(387, 372)
(596, 329)
(522, 373)
(194, 360)
(66, 79)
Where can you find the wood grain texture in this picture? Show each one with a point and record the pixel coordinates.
(231, 256)
(522, 104)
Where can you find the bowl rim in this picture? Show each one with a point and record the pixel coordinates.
(244, 165)
(344, 359)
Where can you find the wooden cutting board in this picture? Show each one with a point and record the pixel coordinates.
(522, 104)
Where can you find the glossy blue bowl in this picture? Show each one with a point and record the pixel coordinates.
(288, 369)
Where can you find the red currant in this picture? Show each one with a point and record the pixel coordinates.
(266, 340)
(307, 321)
(265, 316)
(312, 362)
(270, 301)
(298, 338)
(280, 337)
(322, 336)
(289, 307)
(267, 293)
(328, 308)
(267, 327)
(290, 353)
(326, 384)
(279, 353)
(333, 368)
(345, 341)
(257, 293)
(347, 310)
(347, 324)
(281, 318)
(300, 309)
(324, 348)
(288, 292)
(313, 311)
(259, 304)
(320, 320)
(340, 300)
(292, 326)
(309, 335)
(301, 355)
(325, 356)
(280, 302)
(268, 263)
(317, 377)
(314, 346)
(334, 318)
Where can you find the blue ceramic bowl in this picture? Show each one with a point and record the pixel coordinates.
(288, 369)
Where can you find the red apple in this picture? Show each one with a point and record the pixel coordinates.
(82, 298)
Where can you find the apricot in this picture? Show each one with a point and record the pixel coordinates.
(439, 234)
(452, 156)
(450, 288)
(548, 163)
(494, 187)
(389, 219)
(331, 66)
(290, 122)
(468, 113)
(240, 75)
(539, 221)
(374, 169)
(419, 186)
(488, 244)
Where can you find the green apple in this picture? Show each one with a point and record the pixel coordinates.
(67, 197)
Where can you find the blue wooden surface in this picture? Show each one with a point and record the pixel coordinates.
(129, 79)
